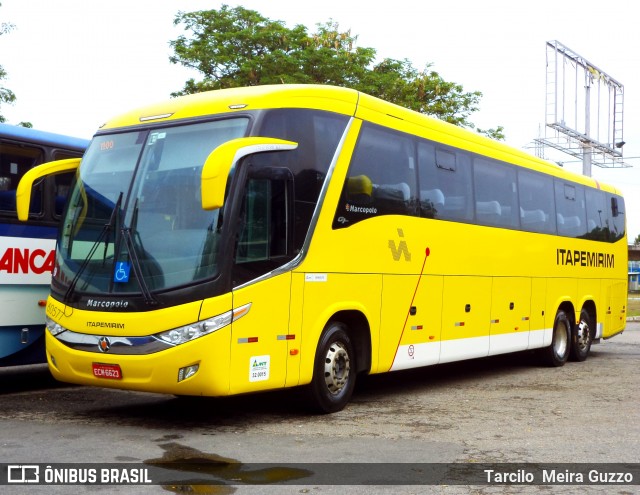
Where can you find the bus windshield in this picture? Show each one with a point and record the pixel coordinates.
(134, 222)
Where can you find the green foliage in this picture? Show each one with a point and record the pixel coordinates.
(6, 95)
(234, 47)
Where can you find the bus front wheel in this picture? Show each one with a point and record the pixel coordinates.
(558, 352)
(334, 372)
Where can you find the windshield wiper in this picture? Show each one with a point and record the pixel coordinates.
(108, 227)
(127, 236)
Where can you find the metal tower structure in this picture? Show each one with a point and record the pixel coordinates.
(584, 110)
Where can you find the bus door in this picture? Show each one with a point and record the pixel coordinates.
(260, 338)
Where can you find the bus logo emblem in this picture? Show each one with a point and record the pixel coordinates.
(401, 249)
(104, 344)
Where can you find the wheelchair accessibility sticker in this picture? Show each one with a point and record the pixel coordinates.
(121, 273)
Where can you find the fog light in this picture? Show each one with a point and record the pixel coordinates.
(187, 372)
(53, 361)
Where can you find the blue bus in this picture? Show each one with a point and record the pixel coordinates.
(27, 250)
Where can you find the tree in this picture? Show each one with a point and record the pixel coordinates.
(234, 47)
(6, 95)
(637, 241)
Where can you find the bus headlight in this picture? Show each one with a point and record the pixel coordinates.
(180, 335)
(53, 327)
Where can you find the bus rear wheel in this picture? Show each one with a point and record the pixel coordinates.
(558, 352)
(334, 372)
(581, 337)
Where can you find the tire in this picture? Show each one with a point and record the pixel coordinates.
(581, 337)
(334, 371)
(558, 352)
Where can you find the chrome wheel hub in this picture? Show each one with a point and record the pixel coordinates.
(336, 368)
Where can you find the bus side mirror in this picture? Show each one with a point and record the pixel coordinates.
(219, 163)
(23, 192)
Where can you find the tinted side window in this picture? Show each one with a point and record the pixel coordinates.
(431, 197)
(537, 210)
(62, 182)
(617, 217)
(597, 215)
(318, 135)
(265, 233)
(445, 182)
(381, 178)
(495, 193)
(571, 211)
(15, 161)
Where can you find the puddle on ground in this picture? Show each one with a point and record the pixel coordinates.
(214, 474)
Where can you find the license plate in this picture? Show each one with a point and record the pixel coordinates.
(108, 371)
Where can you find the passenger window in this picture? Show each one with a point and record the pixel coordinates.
(495, 193)
(445, 183)
(381, 178)
(597, 215)
(571, 211)
(617, 215)
(537, 211)
(15, 161)
(431, 197)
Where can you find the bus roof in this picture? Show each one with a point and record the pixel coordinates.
(34, 136)
(341, 100)
(336, 99)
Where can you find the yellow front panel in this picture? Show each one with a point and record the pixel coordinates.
(134, 324)
(295, 328)
(260, 339)
(156, 372)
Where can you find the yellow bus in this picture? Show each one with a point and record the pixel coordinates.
(257, 238)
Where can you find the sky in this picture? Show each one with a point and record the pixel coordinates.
(73, 64)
